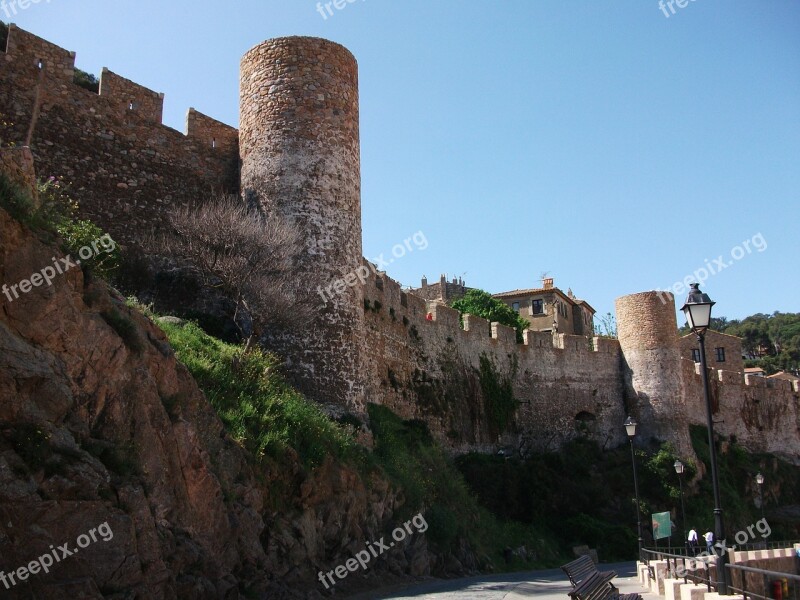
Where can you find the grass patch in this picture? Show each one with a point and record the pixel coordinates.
(55, 221)
(257, 406)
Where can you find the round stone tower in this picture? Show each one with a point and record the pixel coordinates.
(648, 336)
(299, 147)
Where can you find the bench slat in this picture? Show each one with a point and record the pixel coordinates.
(583, 567)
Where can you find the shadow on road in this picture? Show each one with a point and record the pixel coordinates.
(551, 584)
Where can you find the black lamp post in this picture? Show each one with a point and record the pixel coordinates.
(630, 427)
(698, 315)
(679, 470)
(760, 482)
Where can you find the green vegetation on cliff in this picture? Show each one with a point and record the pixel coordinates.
(258, 407)
(269, 418)
(54, 219)
(584, 495)
(413, 460)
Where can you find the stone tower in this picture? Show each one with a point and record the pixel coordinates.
(299, 145)
(648, 336)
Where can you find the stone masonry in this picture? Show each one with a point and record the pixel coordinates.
(301, 163)
(299, 153)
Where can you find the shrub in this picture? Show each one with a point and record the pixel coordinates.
(259, 409)
(86, 80)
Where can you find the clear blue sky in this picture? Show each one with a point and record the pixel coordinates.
(600, 141)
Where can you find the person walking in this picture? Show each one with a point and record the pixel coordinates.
(709, 536)
(691, 543)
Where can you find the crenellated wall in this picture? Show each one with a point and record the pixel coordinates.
(376, 342)
(124, 165)
(762, 414)
(424, 365)
(128, 97)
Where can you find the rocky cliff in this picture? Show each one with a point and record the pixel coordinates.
(136, 494)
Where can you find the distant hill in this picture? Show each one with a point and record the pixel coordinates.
(771, 342)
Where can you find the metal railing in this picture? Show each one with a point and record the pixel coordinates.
(767, 577)
(762, 545)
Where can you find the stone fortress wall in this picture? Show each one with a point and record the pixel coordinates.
(376, 342)
(124, 165)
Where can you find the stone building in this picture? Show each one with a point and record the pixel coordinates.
(723, 351)
(549, 309)
(443, 290)
(374, 341)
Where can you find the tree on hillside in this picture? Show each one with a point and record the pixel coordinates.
(482, 304)
(245, 254)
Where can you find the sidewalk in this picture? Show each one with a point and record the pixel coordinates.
(551, 584)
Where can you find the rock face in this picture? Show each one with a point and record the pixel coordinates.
(104, 435)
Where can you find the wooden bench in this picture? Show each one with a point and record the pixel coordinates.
(583, 567)
(597, 587)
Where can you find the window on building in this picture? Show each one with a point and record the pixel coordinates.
(538, 307)
(696, 355)
(720, 354)
(515, 306)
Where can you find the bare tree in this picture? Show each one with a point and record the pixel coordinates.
(246, 254)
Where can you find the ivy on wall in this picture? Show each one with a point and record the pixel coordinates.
(498, 394)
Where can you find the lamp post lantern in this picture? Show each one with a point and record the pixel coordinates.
(697, 309)
(630, 427)
(679, 470)
(760, 482)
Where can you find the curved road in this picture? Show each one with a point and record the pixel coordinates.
(543, 585)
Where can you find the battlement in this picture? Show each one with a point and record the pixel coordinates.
(33, 54)
(112, 144)
(432, 318)
(129, 97)
(211, 133)
(725, 377)
(31, 57)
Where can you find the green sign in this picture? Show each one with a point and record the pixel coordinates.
(662, 525)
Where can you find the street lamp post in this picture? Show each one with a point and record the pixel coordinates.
(630, 427)
(760, 482)
(697, 309)
(679, 470)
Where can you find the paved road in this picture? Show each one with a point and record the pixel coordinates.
(543, 585)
